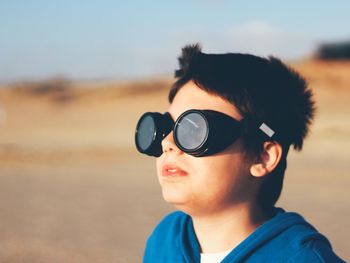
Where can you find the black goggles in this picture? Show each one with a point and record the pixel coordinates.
(196, 132)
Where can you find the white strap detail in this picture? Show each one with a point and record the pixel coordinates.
(267, 130)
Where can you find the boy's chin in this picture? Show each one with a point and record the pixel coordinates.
(173, 199)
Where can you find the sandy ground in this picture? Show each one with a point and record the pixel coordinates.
(74, 189)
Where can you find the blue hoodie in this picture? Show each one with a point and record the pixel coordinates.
(286, 237)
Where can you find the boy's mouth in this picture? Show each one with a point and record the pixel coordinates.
(171, 170)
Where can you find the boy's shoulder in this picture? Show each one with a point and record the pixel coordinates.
(173, 217)
(314, 251)
(305, 244)
(165, 242)
(287, 237)
(171, 223)
(169, 229)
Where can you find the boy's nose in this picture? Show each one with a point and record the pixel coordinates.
(168, 144)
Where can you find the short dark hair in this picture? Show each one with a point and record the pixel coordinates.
(262, 89)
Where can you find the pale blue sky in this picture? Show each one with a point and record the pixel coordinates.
(136, 39)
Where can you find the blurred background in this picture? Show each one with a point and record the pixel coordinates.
(76, 75)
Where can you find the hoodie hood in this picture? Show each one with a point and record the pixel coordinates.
(286, 237)
(278, 230)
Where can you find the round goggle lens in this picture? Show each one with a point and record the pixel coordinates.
(145, 133)
(191, 131)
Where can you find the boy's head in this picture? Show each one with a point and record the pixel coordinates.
(259, 90)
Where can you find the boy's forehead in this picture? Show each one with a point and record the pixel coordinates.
(190, 96)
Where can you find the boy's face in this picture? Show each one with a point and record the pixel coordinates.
(203, 184)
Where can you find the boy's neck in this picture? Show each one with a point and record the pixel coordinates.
(227, 228)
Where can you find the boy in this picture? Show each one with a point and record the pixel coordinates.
(221, 156)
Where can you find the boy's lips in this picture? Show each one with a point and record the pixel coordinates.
(172, 170)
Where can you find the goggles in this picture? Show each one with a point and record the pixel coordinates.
(196, 132)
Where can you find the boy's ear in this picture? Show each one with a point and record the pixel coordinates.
(268, 159)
